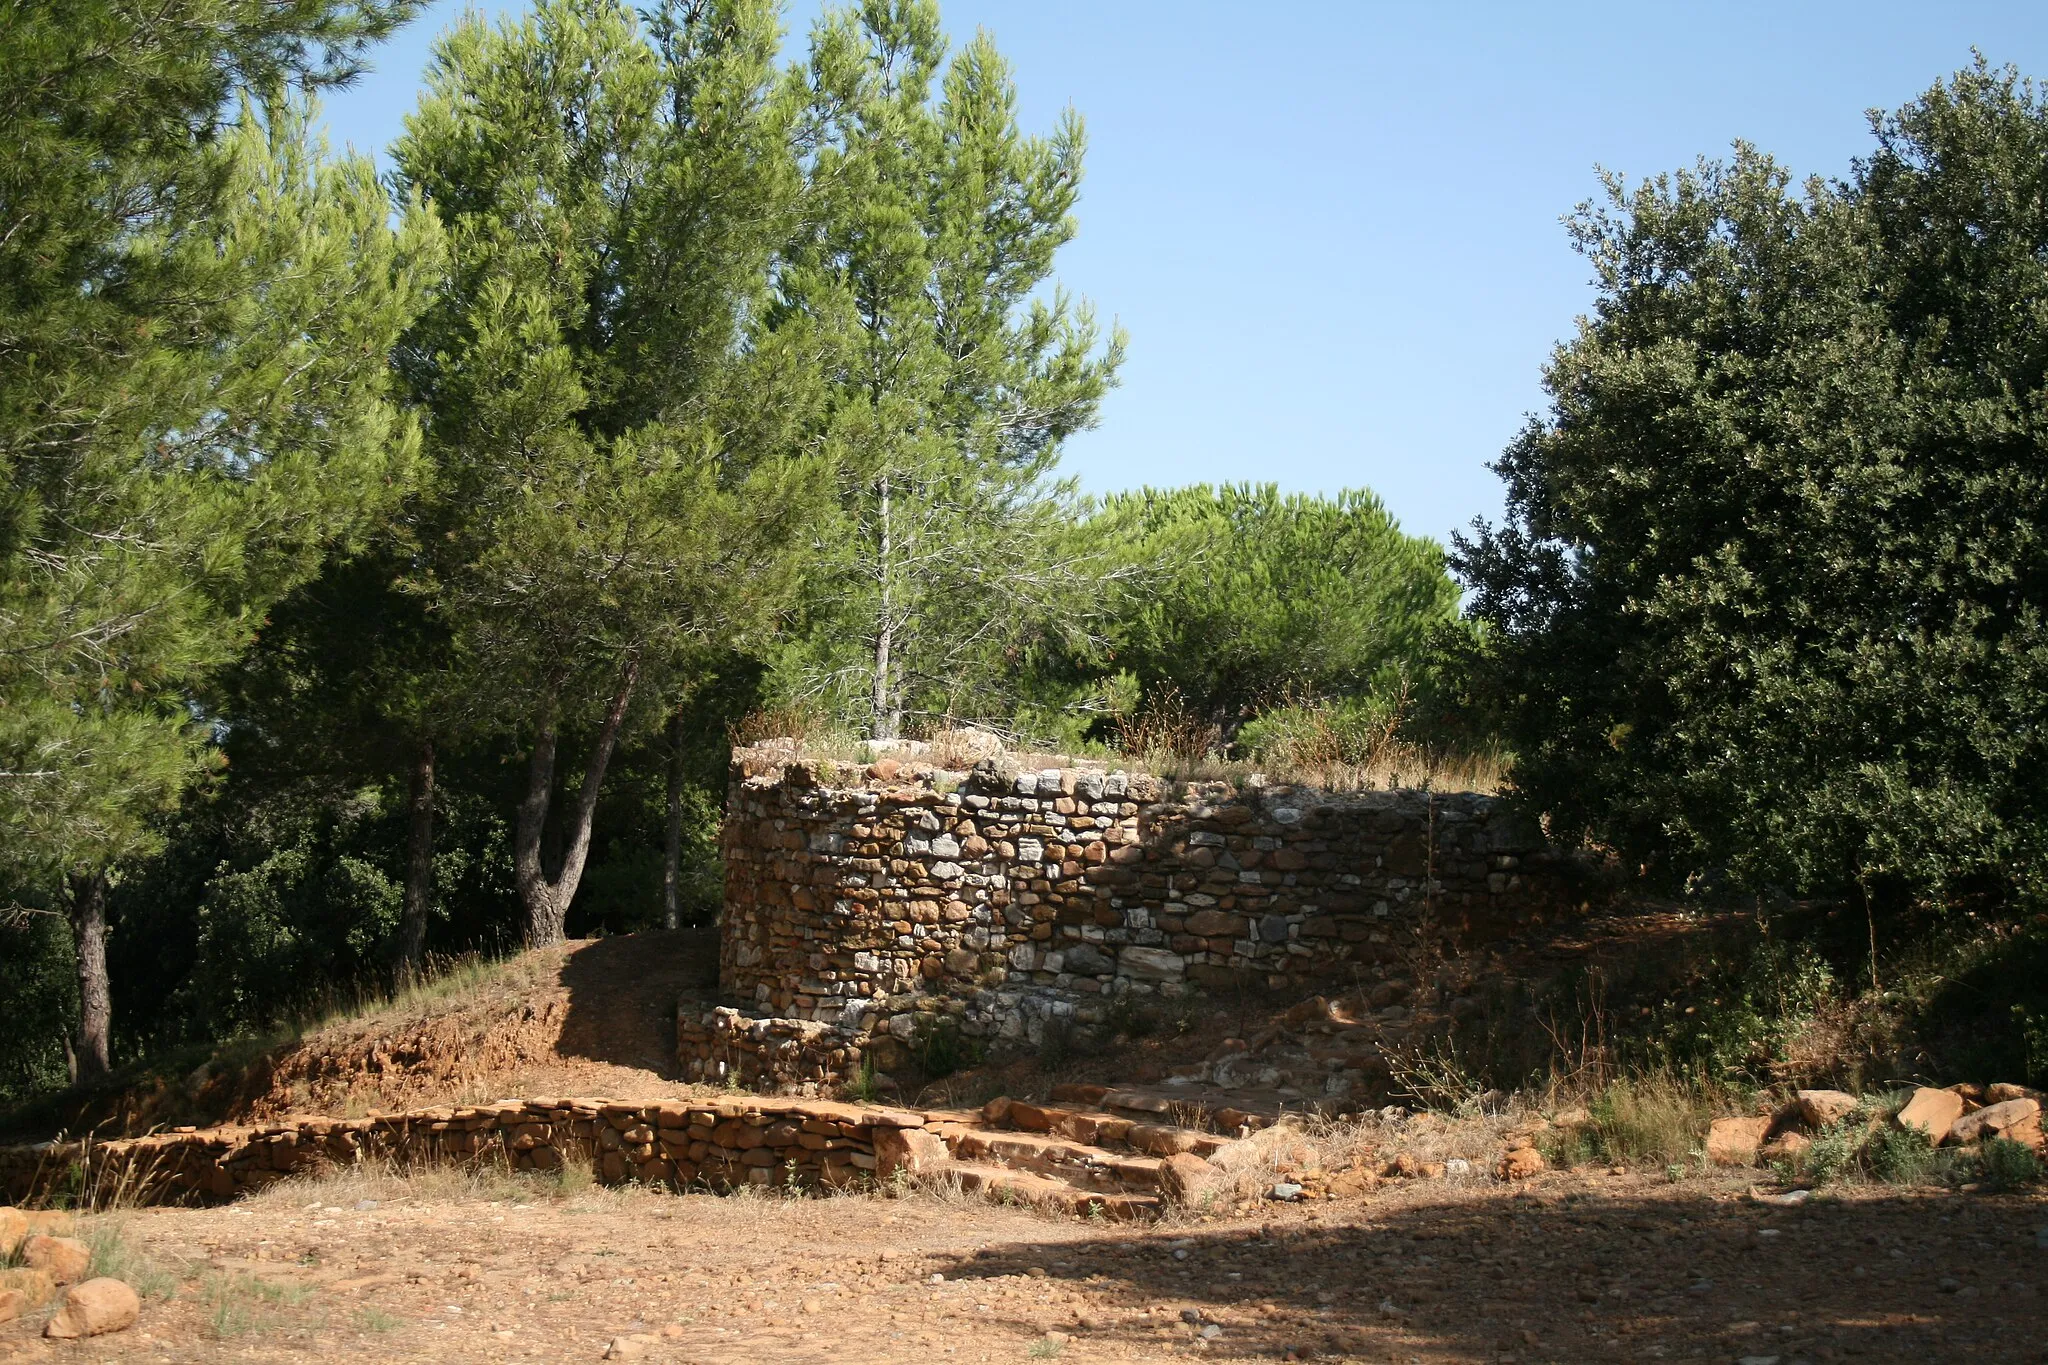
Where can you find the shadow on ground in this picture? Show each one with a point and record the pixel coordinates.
(622, 995)
(1651, 1274)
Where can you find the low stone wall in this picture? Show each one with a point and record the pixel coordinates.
(715, 1144)
(770, 1055)
(868, 898)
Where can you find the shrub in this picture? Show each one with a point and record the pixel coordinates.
(2007, 1164)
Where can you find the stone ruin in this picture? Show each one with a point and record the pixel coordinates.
(867, 906)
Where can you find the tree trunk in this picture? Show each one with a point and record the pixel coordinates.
(672, 845)
(885, 721)
(95, 1000)
(546, 898)
(419, 863)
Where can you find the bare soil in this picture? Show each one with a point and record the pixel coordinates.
(1569, 1267)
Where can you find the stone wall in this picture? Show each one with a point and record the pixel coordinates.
(870, 898)
(775, 1056)
(714, 1144)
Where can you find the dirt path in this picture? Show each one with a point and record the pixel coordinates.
(1573, 1268)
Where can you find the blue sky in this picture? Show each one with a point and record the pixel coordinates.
(1332, 229)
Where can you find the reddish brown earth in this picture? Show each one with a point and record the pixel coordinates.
(1578, 1267)
(1572, 1266)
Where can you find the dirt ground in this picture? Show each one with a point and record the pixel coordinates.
(1569, 1267)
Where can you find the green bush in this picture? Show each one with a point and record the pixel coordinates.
(2008, 1164)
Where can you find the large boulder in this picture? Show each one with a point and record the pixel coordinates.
(1995, 1120)
(95, 1308)
(65, 1258)
(1932, 1111)
(1820, 1109)
(1734, 1142)
(13, 1227)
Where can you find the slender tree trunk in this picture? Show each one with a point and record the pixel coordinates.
(547, 898)
(536, 892)
(419, 863)
(885, 721)
(95, 1000)
(672, 845)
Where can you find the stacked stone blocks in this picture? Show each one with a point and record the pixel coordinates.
(873, 898)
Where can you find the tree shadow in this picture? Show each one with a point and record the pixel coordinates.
(623, 992)
(1651, 1273)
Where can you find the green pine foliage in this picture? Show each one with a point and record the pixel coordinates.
(195, 399)
(609, 497)
(1253, 600)
(952, 374)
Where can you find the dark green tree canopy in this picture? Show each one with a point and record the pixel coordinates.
(1252, 597)
(1769, 593)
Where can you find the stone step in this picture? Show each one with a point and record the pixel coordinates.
(1079, 1165)
(1229, 1112)
(1155, 1133)
(1005, 1185)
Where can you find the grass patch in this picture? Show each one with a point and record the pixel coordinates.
(115, 1256)
(376, 1320)
(1659, 1118)
(237, 1304)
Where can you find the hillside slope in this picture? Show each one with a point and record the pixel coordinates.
(588, 1017)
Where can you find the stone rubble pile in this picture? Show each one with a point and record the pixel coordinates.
(1957, 1116)
(48, 1258)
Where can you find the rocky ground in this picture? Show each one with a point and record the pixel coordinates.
(1566, 1267)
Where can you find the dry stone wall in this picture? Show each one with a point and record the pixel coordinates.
(716, 1144)
(878, 900)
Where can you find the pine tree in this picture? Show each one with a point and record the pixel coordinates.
(609, 493)
(195, 320)
(933, 224)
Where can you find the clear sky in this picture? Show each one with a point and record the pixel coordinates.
(1332, 229)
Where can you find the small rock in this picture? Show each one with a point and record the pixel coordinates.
(1185, 1178)
(1757, 1360)
(1734, 1141)
(26, 1290)
(1519, 1163)
(1949, 1284)
(66, 1259)
(1933, 1112)
(1824, 1108)
(95, 1308)
(1210, 1331)
(1789, 1146)
(1457, 1166)
(1286, 1191)
(1356, 1181)
(365, 1205)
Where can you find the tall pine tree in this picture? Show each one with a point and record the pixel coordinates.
(934, 223)
(195, 322)
(609, 493)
